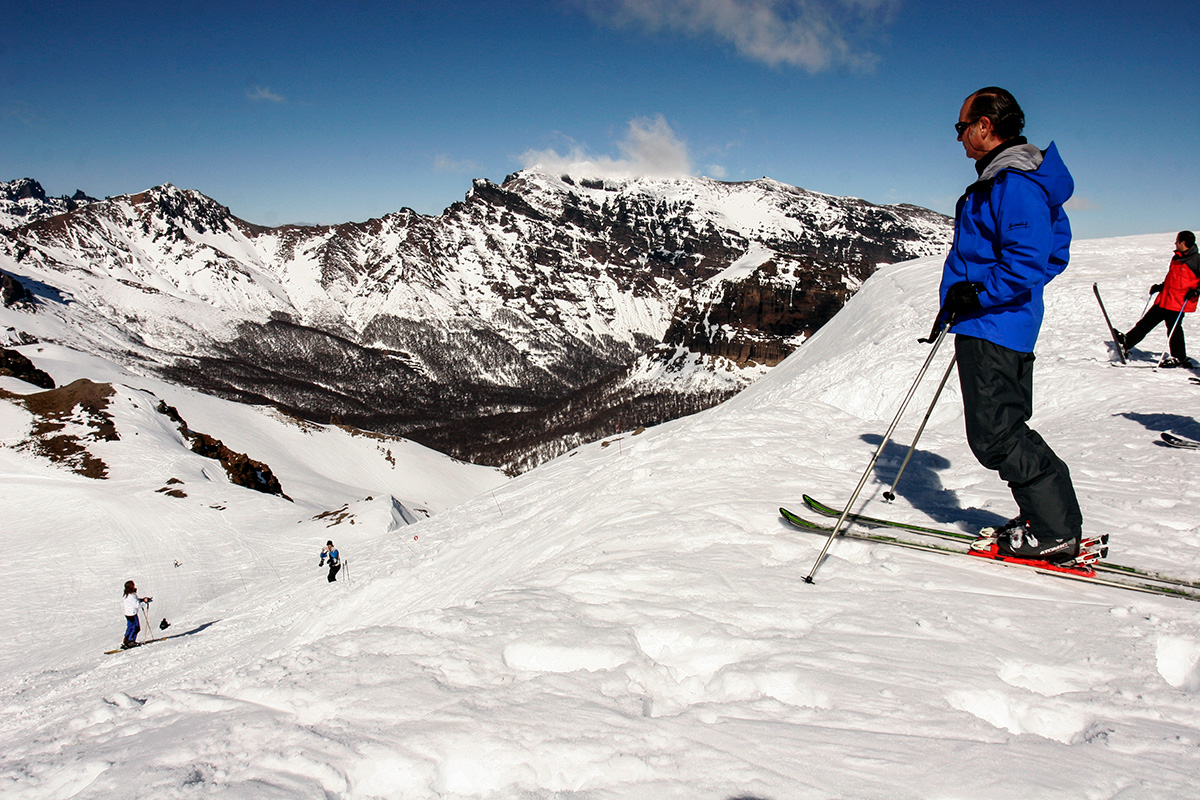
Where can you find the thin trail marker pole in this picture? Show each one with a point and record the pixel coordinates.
(837, 528)
(890, 494)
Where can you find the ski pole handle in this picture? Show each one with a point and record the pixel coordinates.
(938, 326)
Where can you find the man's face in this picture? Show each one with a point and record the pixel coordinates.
(971, 138)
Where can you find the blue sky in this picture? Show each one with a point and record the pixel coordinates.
(332, 112)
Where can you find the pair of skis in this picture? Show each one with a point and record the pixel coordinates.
(956, 543)
(1112, 332)
(1087, 567)
(1171, 440)
(148, 641)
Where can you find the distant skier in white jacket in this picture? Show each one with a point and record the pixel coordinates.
(130, 605)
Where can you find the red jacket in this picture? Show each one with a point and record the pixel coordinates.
(1183, 275)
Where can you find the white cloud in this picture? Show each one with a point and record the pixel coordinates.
(264, 93)
(1078, 203)
(444, 163)
(20, 112)
(812, 34)
(650, 149)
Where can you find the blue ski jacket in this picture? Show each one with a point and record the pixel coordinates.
(1011, 237)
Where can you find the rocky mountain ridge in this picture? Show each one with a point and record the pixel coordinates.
(24, 200)
(532, 315)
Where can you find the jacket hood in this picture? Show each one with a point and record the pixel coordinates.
(1192, 258)
(1044, 167)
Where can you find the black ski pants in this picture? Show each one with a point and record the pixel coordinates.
(1147, 323)
(997, 393)
(333, 570)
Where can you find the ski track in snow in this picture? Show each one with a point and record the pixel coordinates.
(629, 620)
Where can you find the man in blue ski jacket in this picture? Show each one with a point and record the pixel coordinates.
(1011, 237)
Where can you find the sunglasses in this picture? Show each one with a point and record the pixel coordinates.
(961, 127)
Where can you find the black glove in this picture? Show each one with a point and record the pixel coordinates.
(1156, 288)
(322, 563)
(1192, 293)
(962, 298)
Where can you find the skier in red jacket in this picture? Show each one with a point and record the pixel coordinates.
(1176, 295)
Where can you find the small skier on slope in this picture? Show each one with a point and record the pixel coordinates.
(130, 604)
(1011, 237)
(1176, 296)
(330, 552)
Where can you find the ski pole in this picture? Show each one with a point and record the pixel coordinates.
(146, 615)
(1146, 307)
(837, 528)
(1170, 336)
(890, 494)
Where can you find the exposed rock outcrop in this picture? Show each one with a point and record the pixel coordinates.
(241, 469)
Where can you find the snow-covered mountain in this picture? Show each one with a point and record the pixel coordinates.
(473, 330)
(628, 620)
(24, 201)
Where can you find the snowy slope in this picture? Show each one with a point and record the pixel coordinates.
(629, 621)
(220, 534)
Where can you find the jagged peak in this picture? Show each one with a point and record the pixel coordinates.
(24, 201)
(186, 205)
(23, 189)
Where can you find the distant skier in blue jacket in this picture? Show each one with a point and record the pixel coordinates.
(330, 552)
(1011, 237)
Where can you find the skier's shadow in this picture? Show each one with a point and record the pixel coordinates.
(1141, 357)
(1171, 423)
(192, 632)
(922, 486)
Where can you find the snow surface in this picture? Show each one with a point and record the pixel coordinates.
(627, 621)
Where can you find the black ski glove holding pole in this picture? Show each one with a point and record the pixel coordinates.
(961, 298)
(1192, 293)
(1156, 288)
